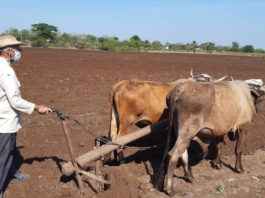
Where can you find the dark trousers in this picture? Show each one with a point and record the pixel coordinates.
(7, 152)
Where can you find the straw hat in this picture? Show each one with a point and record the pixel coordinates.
(8, 40)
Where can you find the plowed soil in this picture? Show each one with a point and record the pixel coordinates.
(78, 82)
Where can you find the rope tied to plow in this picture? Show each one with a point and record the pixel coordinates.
(64, 116)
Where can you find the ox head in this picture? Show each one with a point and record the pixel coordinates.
(204, 77)
(256, 88)
(197, 77)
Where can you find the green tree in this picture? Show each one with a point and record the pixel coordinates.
(260, 51)
(115, 38)
(44, 31)
(191, 46)
(112, 43)
(136, 42)
(208, 46)
(14, 32)
(248, 49)
(39, 42)
(109, 43)
(156, 45)
(90, 42)
(135, 38)
(194, 46)
(25, 35)
(222, 48)
(177, 47)
(91, 39)
(146, 44)
(235, 47)
(65, 40)
(102, 41)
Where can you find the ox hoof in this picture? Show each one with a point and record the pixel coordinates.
(216, 166)
(169, 190)
(176, 192)
(188, 179)
(170, 193)
(240, 171)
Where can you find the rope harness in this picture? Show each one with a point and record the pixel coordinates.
(255, 89)
(202, 78)
(65, 116)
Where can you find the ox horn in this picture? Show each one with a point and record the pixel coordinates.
(191, 73)
(231, 78)
(220, 79)
(255, 93)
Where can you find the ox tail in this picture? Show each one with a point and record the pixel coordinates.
(160, 177)
(114, 117)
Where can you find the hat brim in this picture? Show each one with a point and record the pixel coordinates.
(12, 44)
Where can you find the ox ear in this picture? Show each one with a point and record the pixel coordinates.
(220, 79)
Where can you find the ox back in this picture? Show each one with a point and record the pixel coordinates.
(221, 107)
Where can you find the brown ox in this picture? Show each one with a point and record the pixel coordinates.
(206, 111)
(136, 102)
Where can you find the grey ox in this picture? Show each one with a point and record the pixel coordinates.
(206, 111)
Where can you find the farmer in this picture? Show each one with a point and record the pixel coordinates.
(11, 104)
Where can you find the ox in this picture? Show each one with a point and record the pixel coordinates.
(206, 111)
(141, 103)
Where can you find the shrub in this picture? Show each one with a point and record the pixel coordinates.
(248, 49)
(39, 42)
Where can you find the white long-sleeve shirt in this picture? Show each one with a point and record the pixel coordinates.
(11, 103)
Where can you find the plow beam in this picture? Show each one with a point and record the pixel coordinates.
(93, 155)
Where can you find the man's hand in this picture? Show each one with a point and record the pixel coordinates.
(42, 109)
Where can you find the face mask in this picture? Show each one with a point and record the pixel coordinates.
(17, 55)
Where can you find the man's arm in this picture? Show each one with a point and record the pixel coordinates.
(12, 91)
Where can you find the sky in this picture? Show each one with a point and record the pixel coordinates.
(173, 21)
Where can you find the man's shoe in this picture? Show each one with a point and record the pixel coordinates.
(21, 176)
(14, 174)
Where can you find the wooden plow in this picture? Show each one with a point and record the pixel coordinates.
(78, 165)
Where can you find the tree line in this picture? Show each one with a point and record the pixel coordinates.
(45, 35)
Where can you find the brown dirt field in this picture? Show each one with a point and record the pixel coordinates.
(78, 82)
